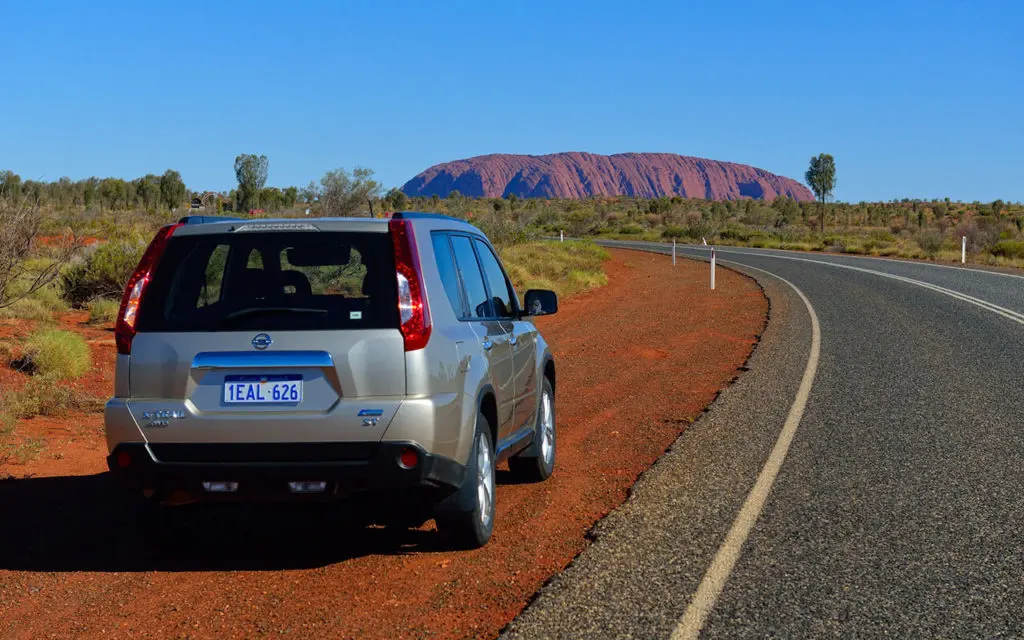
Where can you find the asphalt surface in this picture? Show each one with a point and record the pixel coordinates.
(899, 508)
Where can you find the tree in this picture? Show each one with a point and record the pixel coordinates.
(251, 172)
(172, 189)
(396, 200)
(10, 184)
(821, 177)
(147, 189)
(344, 194)
(20, 223)
(112, 193)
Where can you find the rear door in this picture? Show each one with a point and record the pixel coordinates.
(522, 335)
(269, 336)
(493, 331)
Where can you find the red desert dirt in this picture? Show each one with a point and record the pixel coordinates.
(637, 361)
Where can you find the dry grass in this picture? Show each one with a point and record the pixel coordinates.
(566, 268)
(56, 354)
(103, 311)
(47, 396)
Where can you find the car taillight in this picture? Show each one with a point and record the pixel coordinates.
(132, 298)
(412, 305)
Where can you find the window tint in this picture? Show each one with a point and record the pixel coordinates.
(273, 281)
(472, 280)
(501, 298)
(446, 269)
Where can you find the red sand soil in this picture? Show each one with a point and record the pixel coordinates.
(637, 361)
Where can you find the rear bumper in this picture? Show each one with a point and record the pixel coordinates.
(266, 469)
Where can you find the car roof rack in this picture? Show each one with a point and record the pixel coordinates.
(421, 215)
(207, 219)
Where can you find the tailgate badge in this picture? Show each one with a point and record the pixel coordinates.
(262, 341)
(370, 416)
(162, 417)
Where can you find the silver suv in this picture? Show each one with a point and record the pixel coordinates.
(331, 358)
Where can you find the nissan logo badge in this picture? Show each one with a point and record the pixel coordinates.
(262, 341)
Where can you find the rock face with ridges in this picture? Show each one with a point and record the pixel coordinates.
(578, 175)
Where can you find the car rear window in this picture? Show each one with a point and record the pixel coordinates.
(298, 281)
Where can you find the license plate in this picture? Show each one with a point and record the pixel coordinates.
(281, 389)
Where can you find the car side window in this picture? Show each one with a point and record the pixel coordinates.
(501, 290)
(447, 270)
(472, 279)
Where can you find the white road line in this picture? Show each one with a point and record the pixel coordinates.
(978, 302)
(773, 253)
(729, 552)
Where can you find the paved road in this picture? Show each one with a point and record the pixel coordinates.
(897, 508)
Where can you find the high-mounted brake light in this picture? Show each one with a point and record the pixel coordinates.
(124, 332)
(412, 305)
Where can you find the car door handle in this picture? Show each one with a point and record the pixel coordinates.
(487, 344)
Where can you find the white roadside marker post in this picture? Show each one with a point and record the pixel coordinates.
(561, 236)
(963, 251)
(712, 268)
(673, 251)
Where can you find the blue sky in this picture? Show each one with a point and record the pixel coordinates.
(914, 99)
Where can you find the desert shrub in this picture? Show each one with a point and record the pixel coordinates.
(58, 354)
(102, 272)
(47, 396)
(930, 241)
(564, 267)
(673, 232)
(7, 353)
(27, 309)
(21, 272)
(735, 233)
(981, 234)
(1009, 249)
(104, 311)
(882, 235)
(698, 229)
(631, 229)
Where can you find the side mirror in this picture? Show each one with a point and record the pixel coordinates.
(540, 302)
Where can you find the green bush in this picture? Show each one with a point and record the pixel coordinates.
(58, 354)
(673, 232)
(27, 309)
(930, 241)
(103, 272)
(1009, 249)
(47, 396)
(631, 229)
(104, 311)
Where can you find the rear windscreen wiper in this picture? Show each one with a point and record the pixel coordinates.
(255, 311)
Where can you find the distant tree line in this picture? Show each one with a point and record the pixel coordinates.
(338, 193)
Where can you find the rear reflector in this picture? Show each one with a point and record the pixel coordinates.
(409, 458)
(127, 316)
(221, 487)
(124, 459)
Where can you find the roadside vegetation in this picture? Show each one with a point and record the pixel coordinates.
(68, 246)
(565, 268)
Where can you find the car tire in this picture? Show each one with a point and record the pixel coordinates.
(466, 518)
(537, 463)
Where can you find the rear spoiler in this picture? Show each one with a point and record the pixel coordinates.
(207, 219)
